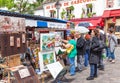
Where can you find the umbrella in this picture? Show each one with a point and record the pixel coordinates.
(101, 31)
(81, 29)
(85, 24)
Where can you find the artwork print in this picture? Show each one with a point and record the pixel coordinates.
(23, 38)
(46, 58)
(18, 42)
(47, 42)
(58, 37)
(11, 40)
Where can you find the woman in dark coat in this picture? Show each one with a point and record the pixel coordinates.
(94, 55)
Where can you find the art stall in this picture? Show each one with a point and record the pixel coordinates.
(49, 47)
(12, 46)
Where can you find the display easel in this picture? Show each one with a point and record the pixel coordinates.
(8, 60)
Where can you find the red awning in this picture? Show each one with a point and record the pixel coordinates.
(111, 13)
(94, 21)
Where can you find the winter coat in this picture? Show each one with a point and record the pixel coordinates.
(80, 46)
(87, 42)
(94, 54)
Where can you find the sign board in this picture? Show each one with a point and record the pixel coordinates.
(55, 68)
(24, 73)
(56, 25)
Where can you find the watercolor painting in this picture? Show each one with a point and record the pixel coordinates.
(47, 42)
(46, 58)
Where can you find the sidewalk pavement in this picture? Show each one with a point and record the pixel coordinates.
(111, 74)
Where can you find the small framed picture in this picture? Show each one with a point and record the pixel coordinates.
(11, 40)
(23, 38)
(46, 58)
(18, 42)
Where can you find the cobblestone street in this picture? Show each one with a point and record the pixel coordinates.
(111, 74)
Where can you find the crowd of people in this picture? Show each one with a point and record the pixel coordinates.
(89, 49)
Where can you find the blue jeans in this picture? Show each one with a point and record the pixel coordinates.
(107, 52)
(112, 55)
(86, 58)
(93, 70)
(72, 65)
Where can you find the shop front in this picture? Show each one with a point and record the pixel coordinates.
(93, 22)
(112, 19)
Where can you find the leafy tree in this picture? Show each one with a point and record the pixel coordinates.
(21, 6)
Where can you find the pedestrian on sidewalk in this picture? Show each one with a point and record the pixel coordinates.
(80, 46)
(94, 54)
(71, 55)
(102, 38)
(112, 45)
(87, 49)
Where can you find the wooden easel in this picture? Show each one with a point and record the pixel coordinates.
(8, 69)
(43, 77)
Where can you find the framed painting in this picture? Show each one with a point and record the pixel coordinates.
(23, 38)
(58, 39)
(18, 42)
(11, 40)
(47, 41)
(46, 58)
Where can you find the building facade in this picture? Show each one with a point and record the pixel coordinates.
(86, 10)
(73, 9)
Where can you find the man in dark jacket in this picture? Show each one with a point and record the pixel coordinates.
(80, 46)
(102, 38)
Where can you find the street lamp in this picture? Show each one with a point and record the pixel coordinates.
(57, 5)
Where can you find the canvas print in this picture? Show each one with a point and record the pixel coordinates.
(23, 38)
(11, 40)
(12, 24)
(47, 41)
(58, 37)
(46, 58)
(18, 42)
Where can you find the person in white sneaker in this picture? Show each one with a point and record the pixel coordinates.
(112, 44)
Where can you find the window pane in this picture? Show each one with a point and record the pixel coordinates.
(117, 28)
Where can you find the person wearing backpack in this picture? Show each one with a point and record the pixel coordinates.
(112, 45)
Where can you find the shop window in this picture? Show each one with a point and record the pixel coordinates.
(52, 13)
(118, 2)
(89, 8)
(110, 3)
(117, 29)
(68, 11)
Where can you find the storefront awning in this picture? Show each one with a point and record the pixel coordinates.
(111, 13)
(30, 23)
(94, 21)
(56, 25)
(42, 24)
